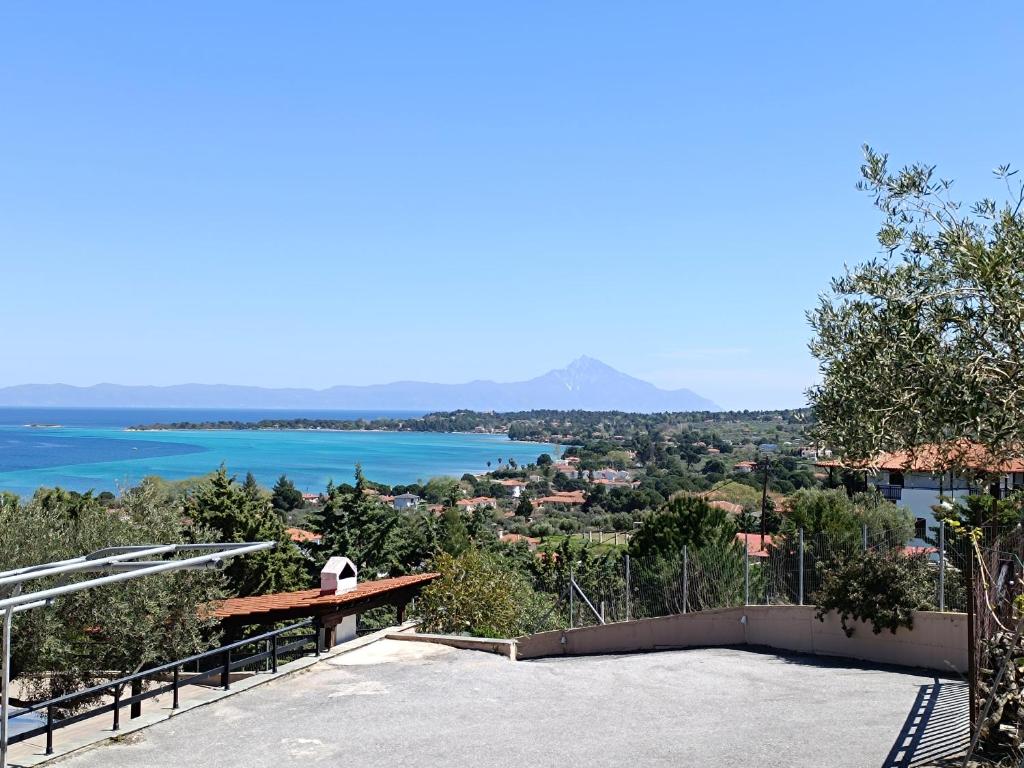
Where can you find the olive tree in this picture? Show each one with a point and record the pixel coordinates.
(924, 344)
(116, 629)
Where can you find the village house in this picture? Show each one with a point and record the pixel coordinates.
(745, 467)
(515, 487)
(311, 498)
(568, 498)
(918, 481)
(405, 501)
(478, 502)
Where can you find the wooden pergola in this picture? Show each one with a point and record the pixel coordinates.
(328, 609)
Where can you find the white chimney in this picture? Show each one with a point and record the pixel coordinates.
(337, 576)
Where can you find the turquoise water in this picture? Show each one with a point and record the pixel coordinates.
(98, 457)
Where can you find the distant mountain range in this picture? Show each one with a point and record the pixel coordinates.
(585, 384)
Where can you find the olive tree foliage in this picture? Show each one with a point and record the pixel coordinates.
(115, 629)
(925, 343)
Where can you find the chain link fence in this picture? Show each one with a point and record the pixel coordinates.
(780, 570)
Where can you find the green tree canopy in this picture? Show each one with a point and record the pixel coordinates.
(834, 512)
(285, 496)
(924, 344)
(231, 514)
(480, 594)
(442, 490)
(685, 520)
(119, 627)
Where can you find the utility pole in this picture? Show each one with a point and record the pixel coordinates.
(764, 501)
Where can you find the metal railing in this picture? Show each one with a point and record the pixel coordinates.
(275, 646)
(890, 492)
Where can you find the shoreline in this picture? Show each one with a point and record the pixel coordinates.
(143, 430)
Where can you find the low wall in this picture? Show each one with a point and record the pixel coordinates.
(488, 644)
(938, 641)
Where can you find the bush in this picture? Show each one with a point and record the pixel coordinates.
(884, 589)
(481, 595)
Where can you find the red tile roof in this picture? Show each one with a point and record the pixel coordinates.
(563, 497)
(476, 501)
(312, 599)
(727, 506)
(515, 538)
(753, 543)
(932, 458)
(918, 550)
(302, 536)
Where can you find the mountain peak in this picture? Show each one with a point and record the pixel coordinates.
(585, 384)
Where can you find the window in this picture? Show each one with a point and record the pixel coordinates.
(896, 478)
(920, 528)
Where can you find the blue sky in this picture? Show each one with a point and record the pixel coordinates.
(335, 192)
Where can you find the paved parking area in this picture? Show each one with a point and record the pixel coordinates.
(402, 703)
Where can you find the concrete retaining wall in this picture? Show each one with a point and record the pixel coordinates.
(938, 641)
(487, 644)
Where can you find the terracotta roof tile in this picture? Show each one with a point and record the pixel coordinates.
(302, 536)
(753, 543)
(932, 458)
(236, 607)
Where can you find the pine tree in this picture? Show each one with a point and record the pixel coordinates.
(285, 496)
(233, 515)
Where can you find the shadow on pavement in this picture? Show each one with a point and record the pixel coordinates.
(936, 729)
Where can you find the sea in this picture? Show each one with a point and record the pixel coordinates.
(85, 449)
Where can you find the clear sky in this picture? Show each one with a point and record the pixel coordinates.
(318, 193)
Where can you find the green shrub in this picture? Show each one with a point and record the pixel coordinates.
(884, 589)
(482, 595)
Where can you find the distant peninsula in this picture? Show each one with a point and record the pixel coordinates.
(573, 427)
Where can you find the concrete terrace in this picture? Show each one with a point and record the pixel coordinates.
(407, 703)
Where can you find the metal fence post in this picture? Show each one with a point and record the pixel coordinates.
(627, 586)
(136, 708)
(49, 729)
(801, 566)
(746, 572)
(174, 699)
(571, 603)
(942, 565)
(273, 654)
(225, 675)
(864, 536)
(686, 582)
(117, 708)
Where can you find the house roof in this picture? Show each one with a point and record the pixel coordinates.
(302, 536)
(563, 497)
(406, 496)
(510, 482)
(515, 538)
(753, 543)
(932, 458)
(727, 506)
(476, 501)
(311, 601)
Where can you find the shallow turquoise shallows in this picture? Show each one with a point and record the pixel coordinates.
(108, 458)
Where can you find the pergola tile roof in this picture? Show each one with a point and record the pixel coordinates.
(312, 600)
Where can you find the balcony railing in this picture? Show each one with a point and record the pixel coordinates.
(891, 492)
